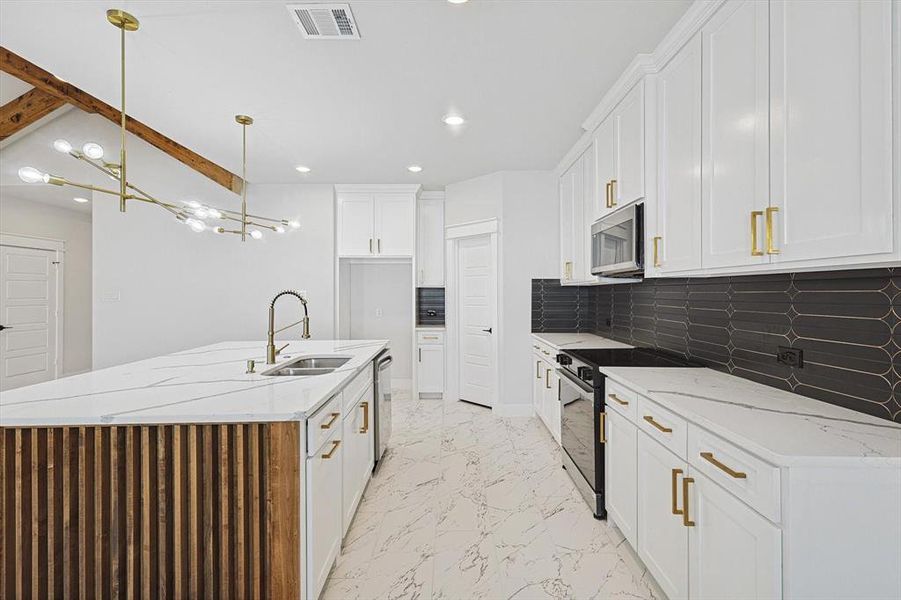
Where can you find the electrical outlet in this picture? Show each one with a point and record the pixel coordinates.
(378, 313)
(793, 357)
(431, 313)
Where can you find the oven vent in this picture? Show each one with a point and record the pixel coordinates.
(325, 21)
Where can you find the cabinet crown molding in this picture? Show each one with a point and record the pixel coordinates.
(412, 188)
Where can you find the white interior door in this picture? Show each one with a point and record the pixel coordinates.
(28, 314)
(476, 324)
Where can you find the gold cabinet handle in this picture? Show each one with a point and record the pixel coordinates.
(770, 248)
(754, 215)
(545, 352)
(365, 407)
(675, 477)
(567, 270)
(331, 421)
(685, 519)
(708, 456)
(607, 195)
(618, 399)
(602, 435)
(612, 193)
(657, 239)
(335, 445)
(547, 379)
(379, 245)
(430, 337)
(370, 245)
(662, 428)
(537, 369)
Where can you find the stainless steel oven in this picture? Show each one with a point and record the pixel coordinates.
(617, 243)
(582, 437)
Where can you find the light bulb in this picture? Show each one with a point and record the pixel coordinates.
(62, 146)
(279, 229)
(193, 204)
(93, 150)
(294, 224)
(458, 1)
(31, 175)
(80, 200)
(196, 225)
(201, 213)
(214, 213)
(453, 120)
(256, 234)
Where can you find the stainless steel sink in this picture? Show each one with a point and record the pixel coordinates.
(306, 366)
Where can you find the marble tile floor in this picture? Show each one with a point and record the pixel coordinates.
(468, 505)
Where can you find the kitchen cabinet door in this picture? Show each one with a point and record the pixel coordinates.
(735, 174)
(733, 551)
(537, 386)
(679, 162)
(394, 227)
(629, 115)
(324, 512)
(662, 537)
(430, 244)
(621, 474)
(355, 226)
(551, 412)
(831, 152)
(430, 373)
(605, 167)
(356, 455)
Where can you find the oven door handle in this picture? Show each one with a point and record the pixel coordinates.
(572, 379)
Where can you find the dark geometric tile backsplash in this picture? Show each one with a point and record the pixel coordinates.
(846, 323)
(430, 300)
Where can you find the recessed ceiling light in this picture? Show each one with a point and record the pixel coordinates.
(80, 200)
(302, 169)
(454, 119)
(414, 168)
(458, 1)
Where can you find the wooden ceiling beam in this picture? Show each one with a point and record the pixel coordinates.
(21, 112)
(46, 83)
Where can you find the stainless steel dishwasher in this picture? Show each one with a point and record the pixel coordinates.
(382, 412)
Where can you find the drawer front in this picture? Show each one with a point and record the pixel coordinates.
(753, 481)
(430, 337)
(662, 425)
(621, 399)
(324, 423)
(357, 386)
(544, 350)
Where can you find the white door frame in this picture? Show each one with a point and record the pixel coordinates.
(59, 248)
(453, 234)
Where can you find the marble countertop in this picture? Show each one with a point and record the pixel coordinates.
(560, 341)
(201, 385)
(781, 427)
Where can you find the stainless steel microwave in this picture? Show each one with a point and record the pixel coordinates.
(617, 243)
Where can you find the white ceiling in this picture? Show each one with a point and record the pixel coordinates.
(10, 87)
(524, 74)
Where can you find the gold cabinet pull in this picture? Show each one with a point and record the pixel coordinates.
(430, 337)
(676, 509)
(547, 379)
(618, 399)
(607, 197)
(708, 456)
(335, 445)
(754, 250)
(370, 245)
(612, 193)
(602, 435)
(331, 421)
(770, 248)
(379, 245)
(365, 407)
(685, 519)
(537, 369)
(567, 270)
(662, 428)
(657, 239)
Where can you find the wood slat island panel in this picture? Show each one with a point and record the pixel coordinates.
(150, 511)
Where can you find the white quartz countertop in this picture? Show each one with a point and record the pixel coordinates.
(201, 385)
(781, 427)
(560, 341)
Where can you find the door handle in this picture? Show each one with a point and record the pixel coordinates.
(612, 193)
(488, 330)
(754, 250)
(365, 407)
(602, 424)
(370, 245)
(676, 509)
(607, 195)
(657, 239)
(685, 518)
(379, 245)
(2, 327)
(331, 452)
(331, 421)
(537, 369)
(420, 355)
(547, 379)
(770, 248)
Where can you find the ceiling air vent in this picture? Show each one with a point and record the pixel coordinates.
(325, 21)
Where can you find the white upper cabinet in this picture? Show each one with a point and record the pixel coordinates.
(735, 166)
(675, 244)
(605, 167)
(629, 183)
(576, 201)
(376, 222)
(831, 129)
(566, 226)
(430, 241)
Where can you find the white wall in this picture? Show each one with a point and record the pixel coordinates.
(475, 199)
(27, 217)
(381, 307)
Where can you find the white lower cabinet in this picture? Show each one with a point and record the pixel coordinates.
(546, 390)
(662, 536)
(357, 454)
(323, 491)
(732, 551)
(430, 362)
(621, 473)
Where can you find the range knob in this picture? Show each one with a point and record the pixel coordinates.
(564, 360)
(585, 373)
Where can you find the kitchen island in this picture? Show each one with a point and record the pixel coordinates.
(184, 475)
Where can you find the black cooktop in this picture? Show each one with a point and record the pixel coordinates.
(631, 357)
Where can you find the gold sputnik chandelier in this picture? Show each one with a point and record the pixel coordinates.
(192, 213)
